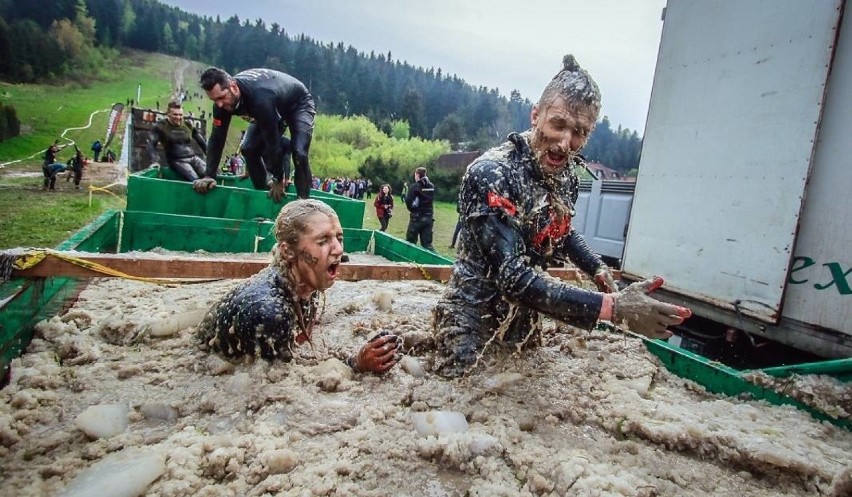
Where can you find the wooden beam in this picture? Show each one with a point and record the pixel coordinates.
(218, 268)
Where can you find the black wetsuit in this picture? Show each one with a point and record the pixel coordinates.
(257, 318)
(177, 143)
(419, 202)
(271, 101)
(511, 227)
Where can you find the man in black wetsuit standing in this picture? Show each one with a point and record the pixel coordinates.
(271, 101)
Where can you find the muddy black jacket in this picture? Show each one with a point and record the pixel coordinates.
(420, 198)
(257, 318)
(176, 140)
(267, 98)
(515, 221)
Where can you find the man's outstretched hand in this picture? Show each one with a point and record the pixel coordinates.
(203, 185)
(636, 310)
(276, 190)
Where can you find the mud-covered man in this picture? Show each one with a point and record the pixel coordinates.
(271, 101)
(516, 203)
(275, 310)
(177, 137)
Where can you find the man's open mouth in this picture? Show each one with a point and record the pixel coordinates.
(555, 158)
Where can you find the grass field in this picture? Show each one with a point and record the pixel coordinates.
(36, 218)
(33, 218)
(445, 223)
(45, 111)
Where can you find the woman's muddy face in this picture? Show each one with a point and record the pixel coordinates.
(558, 133)
(385, 190)
(317, 255)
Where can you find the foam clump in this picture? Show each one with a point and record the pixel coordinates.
(439, 422)
(122, 474)
(103, 420)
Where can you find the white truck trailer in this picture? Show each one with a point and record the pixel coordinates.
(743, 200)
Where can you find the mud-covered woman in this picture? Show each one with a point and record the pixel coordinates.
(274, 311)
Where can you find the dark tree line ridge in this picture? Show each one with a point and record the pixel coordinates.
(57, 40)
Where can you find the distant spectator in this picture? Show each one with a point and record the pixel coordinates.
(96, 149)
(50, 168)
(419, 202)
(76, 164)
(384, 206)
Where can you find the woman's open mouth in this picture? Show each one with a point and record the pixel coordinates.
(333, 270)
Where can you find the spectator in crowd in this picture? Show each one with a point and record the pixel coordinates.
(419, 203)
(384, 206)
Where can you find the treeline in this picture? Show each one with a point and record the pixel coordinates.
(53, 40)
(617, 149)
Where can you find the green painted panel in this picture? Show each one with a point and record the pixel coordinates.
(397, 250)
(239, 200)
(143, 231)
(718, 378)
(838, 368)
(32, 300)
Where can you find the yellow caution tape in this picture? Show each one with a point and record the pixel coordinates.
(426, 275)
(28, 260)
(104, 189)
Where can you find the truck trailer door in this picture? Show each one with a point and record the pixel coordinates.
(738, 93)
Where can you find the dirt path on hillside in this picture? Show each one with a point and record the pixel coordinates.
(178, 77)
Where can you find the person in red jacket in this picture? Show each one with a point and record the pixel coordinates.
(384, 205)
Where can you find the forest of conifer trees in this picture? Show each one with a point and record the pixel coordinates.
(53, 41)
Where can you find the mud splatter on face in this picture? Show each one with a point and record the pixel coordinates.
(307, 258)
(560, 129)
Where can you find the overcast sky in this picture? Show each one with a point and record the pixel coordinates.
(502, 44)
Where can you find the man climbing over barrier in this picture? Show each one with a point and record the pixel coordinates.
(272, 101)
(177, 136)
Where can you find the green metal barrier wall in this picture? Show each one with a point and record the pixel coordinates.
(142, 231)
(32, 300)
(176, 197)
(398, 250)
(148, 230)
(228, 180)
(718, 378)
(238, 201)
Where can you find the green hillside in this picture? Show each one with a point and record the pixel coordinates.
(78, 113)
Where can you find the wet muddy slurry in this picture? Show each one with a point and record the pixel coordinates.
(584, 413)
